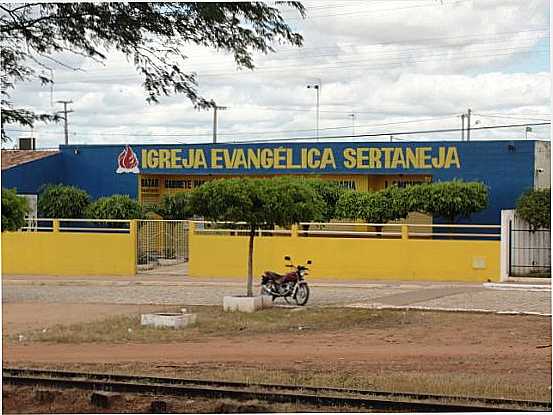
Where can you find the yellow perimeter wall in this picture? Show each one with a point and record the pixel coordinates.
(347, 258)
(69, 253)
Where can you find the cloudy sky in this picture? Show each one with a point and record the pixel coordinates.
(384, 66)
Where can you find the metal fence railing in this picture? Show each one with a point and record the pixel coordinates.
(236, 229)
(78, 225)
(161, 242)
(450, 231)
(357, 230)
(529, 250)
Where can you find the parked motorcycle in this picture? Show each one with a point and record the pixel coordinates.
(291, 286)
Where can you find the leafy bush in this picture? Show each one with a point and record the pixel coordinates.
(534, 206)
(174, 206)
(14, 209)
(373, 207)
(448, 200)
(114, 207)
(61, 201)
(443, 199)
(330, 193)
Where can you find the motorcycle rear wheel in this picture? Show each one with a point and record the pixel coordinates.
(302, 294)
(265, 291)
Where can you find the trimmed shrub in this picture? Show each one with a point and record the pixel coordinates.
(373, 207)
(174, 206)
(449, 200)
(115, 207)
(14, 209)
(534, 206)
(61, 201)
(258, 202)
(330, 192)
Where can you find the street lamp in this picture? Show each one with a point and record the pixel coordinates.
(317, 87)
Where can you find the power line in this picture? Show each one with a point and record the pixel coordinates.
(357, 13)
(419, 40)
(261, 70)
(509, 117)
(448, 130)
(176, 134)
(479, 41)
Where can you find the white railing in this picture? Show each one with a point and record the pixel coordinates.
(330, 229)
(358, 229)
(454, 234)
(56, 225)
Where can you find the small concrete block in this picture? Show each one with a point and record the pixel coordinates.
(189, 319)
(158, 407)
(244, 304)
(174, 320)
(165, 262)
(267, 301)
(104, 399)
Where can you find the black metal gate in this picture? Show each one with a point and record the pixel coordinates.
(529, 251)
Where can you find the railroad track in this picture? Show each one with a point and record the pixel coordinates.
(327, 396)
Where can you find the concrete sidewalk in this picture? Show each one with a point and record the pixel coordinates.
(172, 280)
(531, 297)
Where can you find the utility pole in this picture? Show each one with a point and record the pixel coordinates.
(526, 131)
(352, 115)
(391, 138)
(65, 112)
(468, 124)
(215, 108)
(317, 87)
(463, 127)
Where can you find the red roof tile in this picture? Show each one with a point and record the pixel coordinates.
(12, 158)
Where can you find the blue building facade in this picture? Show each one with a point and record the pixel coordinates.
(146, 172)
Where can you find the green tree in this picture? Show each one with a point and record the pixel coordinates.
(153, 36)
(14, 209)
(174, 206)
(330, 192)
(61, 201)
(448, 200)
(260, 203)
(115, 207)
(373, 207)
(534, 206)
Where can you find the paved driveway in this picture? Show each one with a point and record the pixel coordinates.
(448, 296)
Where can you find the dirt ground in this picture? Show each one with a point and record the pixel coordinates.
(495, 348)
(485, 354)
(20, 317)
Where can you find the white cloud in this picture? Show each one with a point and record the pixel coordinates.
(385, 61)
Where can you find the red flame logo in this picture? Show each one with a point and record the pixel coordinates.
(127, 160)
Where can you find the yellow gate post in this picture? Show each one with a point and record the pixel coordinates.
(134, 241)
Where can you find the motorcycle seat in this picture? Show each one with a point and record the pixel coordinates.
(273, 275)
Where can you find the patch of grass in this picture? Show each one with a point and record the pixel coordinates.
(456, 384)
(459, 384)
(212, 321)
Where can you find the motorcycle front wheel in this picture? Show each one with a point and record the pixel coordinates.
(302, 294)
